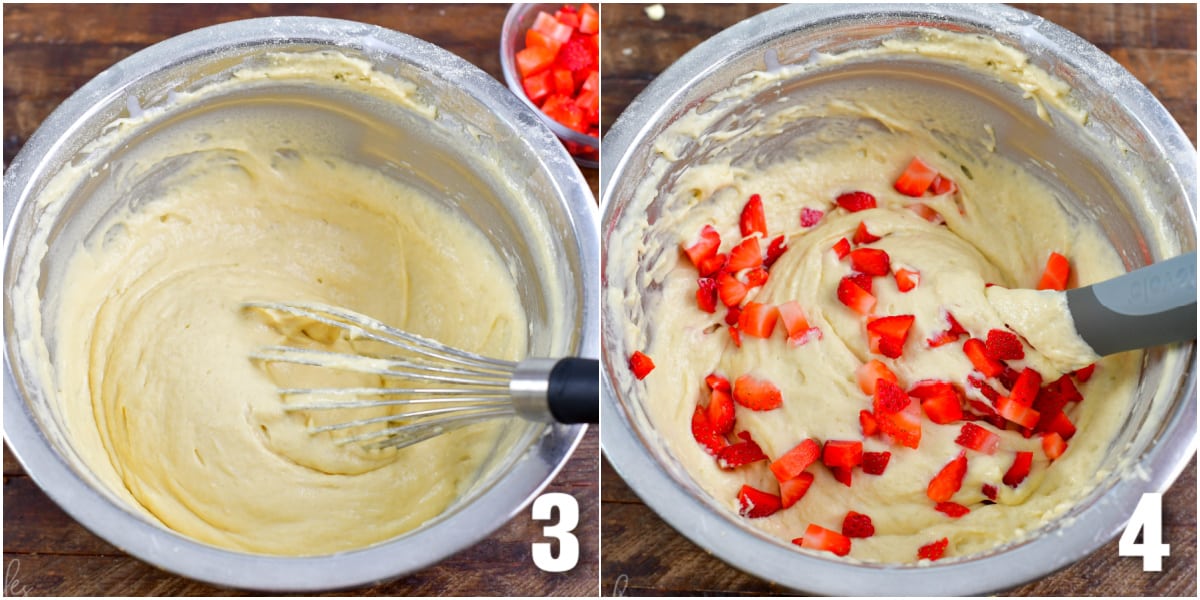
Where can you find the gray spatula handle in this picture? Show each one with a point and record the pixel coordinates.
(1148, 307)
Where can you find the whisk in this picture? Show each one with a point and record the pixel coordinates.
(443, 388)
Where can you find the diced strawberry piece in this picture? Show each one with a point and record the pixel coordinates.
(756, 277)
(740, 454)
(568, 16)
(1008, 377)
(907, 279)
(871, 261)
(756, 394)
(532, 60)
(792, 490)
(589, 20)
(564, 82)
(551, 27)
(977, 438)
(988, 391)
(705, 247)
(933, 550)
(710, 266)
(1084, 374)
(843, 475)
(875, 463)
(842, 453)
(730, 290)
(753, 219)
(1058, 270)
(704, 434)
(902, 427)
(939, 400)
(862, 236)
(862, 280)
(990, 491)
(810, 216)
(947, 482)
(1016, 412)
(745, 255)
(888, 334)
(640, 364)
(735, 335)
(1025, 389)
(926, 212)
(720, 411)
(795, 461)
(855, 297)
(975, 350)
(1054, 445)
(758, 319)
(1059, 424)
(870, 372)
(819, 538)
(866, 420)
(1063, 385)
(953, 510)
(1003, 345)
(732, 315)
(774, 250)
(856, 201)
(842, 248)
(533, 37)
(717, 382)
(916, 178)
(538, 87)
(889, 398)
(796, 325)
(942, 185)
(857, 525)
(575, 55)
(706, 294)
(754, 503)
(952, 334)
(1019, 469)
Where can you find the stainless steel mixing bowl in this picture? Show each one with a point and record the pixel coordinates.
(486, 155)
(1129, 142)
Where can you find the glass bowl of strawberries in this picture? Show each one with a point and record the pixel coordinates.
(550, 54)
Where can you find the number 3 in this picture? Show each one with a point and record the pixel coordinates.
(568, 544)
(1147, 518)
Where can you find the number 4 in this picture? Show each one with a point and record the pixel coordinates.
(1147, 518)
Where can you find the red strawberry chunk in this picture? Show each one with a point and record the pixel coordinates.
(730, 290)
(875, 463)
(711, 265)
(706, 295)
(933, 550)
(916, 178)
(857, 525)
(756, 394)
(902, 427)
(976, 351)
(870, 261)
(1019, 469)
(640, 364)
(870, 372)
(740, 454)
(720, 411)
(1058, 270)
(990, 491)
(1025, 389)
(795, 323)
(843, 475)
(756, 277)
(862, 236)
(977, 438)
(795, 461)
(952, 509)
(939, 400)
(732, 315)
(758, 319)
(753, 219)
(949, 335)
(1016, 412)
(926, 212)
(792, 490)
(717, 382)
(774, 250)
(819, 538)
(855, 297)
(942, 185)
(704, 434)
(1054, 445)
(842, 453)
(1003, 345)
(746, 255)
(988, 391)
(948, 481)
(1084, 374)
(886, 335)
(866, 420)
(810, 216)
(907, 279)
(1008, 377)
(856, 201)
(754, 503)
(1059, 424)
(862, 280)
(705, 247)
(735, 335)
(842, 248)
(889, 398)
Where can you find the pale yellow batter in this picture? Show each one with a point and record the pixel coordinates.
(999, 228)
(152, 352)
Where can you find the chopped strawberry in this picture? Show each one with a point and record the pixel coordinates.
(902, 427)
(705, 247)
(926, 212)
(976, 351)
(939, 400)
(641, 364)
(732, 314)
(774, 250)
(1025, 389)
(758, 319)
(1058, 270)
(1008, 377)
(1054, 445)
(1003, 345)
(875, 463)
(907, 279)
(953, 510)
(887, 335)
(754, 503)
(870, 372)
(841, 248)
(990, 491)
(736, 336)
(740, 454)
(810, 216)
(855, 297)
(949, 335)
(756, 277)
(794, 322)
(933, 550)
(866, 420)
(753, 218)
(1016, 412)
(706, 295)
(871, 261)
(1059, 424)
(862, 280)
(720, 411)
(857, 525)
(977, 438)
(947, 482)
(889, 398)
(711, 265)
(704, 434)
(730, 290)
(942, 185)
(1019, 469)
(842, 453)
(756, 394)
(1084, 374)
(717, 382)
(856, 201)
(988, 391)
(745, 255)
(795, 461)
(819, 538)
(843, 475)
(916, 178)
(862, 236)
(792, 490)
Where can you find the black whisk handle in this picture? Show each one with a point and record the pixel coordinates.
(573, 393)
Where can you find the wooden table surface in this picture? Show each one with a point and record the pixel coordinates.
(642, 555)
(49, 52)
